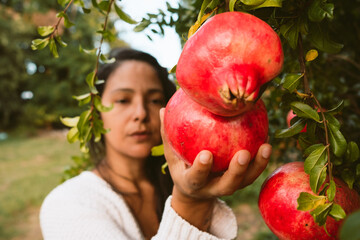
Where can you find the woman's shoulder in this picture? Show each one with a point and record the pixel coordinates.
(86, 189)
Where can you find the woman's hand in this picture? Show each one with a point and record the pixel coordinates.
(196, 187)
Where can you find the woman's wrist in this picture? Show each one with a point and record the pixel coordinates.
(196, 211)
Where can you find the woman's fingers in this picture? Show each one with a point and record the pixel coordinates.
(258, 165)
(231, 180)
(198, 173)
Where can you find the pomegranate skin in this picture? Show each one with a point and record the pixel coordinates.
(278, 203)
(223, 65)
(190, 128)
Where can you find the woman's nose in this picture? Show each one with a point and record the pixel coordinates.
(141, 112)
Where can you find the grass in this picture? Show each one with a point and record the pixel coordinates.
(29, 169)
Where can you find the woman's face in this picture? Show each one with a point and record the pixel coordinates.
(136, 93)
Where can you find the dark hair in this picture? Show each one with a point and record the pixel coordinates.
(162, 182)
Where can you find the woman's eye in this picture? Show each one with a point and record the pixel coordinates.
(157, 101)
(122, 101)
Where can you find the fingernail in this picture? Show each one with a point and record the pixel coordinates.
(266, 152)
(204, 157)
(244, 157)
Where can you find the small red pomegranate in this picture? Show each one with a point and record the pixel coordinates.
(190, 128)
(278, 205)
(223, 65)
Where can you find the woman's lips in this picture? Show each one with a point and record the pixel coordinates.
(141, 135)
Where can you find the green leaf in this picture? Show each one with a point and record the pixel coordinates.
(86, 10)
(157, 150)
(53, 48)
(124, 16)
(348, 177)
(104, 5)
(319, 9)
(321, 212)
(142, 25)
(232, 5)
(331, 191)
(304, 110)
(88, 51)
(290, 31)
(332, 120)
(320, 39)
(67, 22)
(45, 30)
(292, 130)
(73, 135)
(337, 212)
(350, 228)
(99, 106)
(307, 201)
(317, 157)
(70, 122)
(267, 3)
(83, 99)
(312, 148)
(352, 152)
(90, 79)
(336, 109)
(338, 143)
(202, 9)
(252, 2)
(104, 59)
(62, 43)
(292, 81)
(39, 43)
(317, 177)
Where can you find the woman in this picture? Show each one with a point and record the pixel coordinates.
(126, 196)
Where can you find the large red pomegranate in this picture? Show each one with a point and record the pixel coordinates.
(278, 205)
(190, 128)
(223, 65)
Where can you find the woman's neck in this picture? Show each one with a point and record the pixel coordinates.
(123, 172)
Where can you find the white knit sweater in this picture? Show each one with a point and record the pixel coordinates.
(85, 207)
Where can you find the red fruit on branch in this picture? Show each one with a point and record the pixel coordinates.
(223, 65)
(278, 205)
(190, 128)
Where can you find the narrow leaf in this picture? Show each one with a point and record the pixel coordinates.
(90, 79)
(53, 48)
(39, 43)
(61, 42)
(316, 157)
(292, 81)
(73, 135)
(307, 201)
(45, 30)
(338, 143)
(320, 213)
(124, 16)
(337, 212)
(304, 110)
(337, 109)
(232, 5)
(292, 130)
(69, 122)
(317, 177)
(312, 148)
(99, 106)
(331, 191)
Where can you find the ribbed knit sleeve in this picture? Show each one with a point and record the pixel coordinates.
(173, 227)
